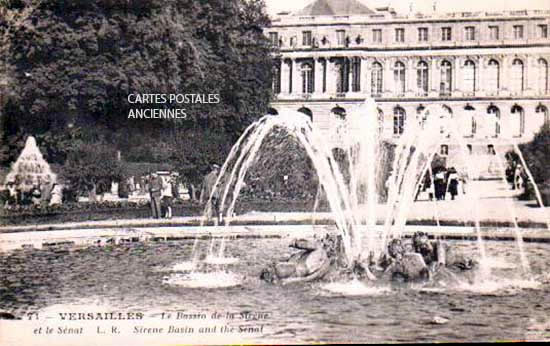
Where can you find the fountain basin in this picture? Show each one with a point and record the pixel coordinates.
(133, 277)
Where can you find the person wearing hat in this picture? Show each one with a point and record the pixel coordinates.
(210, 192)
(155, 191)
(174, 181)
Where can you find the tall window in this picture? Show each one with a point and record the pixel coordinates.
(542, 110)
(422, 34)
(399, 35)
(470, 33)
(493, 76)
(293, 41)
(494, 32)
(518, 117)
(307, 78)
(323, 63)
(307, 112)
(377, 35)
(276, 83)
(422, 77)
(306, 38)
(445, 118)
(342, 81)
(398, 121)
(543, 31)
(376, 79)
(494, 112)
(446, 34)
(446, 78)
(356, 74)
(341, 37)
(543, 75)
(399, 77)
(517, 75)
(469, 115)
(380, 120)
(469, 76)
(274, 38)
(518, 32)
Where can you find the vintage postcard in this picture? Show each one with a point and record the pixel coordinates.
(183, 172)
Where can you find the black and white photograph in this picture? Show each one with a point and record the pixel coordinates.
(220, 172)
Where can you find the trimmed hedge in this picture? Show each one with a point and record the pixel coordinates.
(74, 212)
(77, 212)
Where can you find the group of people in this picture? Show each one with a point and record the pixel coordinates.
(40, 194)
(419, 259)
(162, 194)
(445, 181)
(518, 180)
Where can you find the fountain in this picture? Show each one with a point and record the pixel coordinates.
(205, 276)
(354, 204)
(30, 168)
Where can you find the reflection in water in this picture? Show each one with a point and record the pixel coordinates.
(214, 279)
(127, 277)
(355, 288)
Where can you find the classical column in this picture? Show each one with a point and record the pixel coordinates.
(505, 78)
(365, 76)
(410, 77)
(285, 77)
(318, 85)
(296, 82)
(434, 75)
(458, 75)
(388, 84)
(348, 63)
(481, 80)
(331, 76)
(531, 75)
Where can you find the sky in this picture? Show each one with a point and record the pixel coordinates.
(403, 6)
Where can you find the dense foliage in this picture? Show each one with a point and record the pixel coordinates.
(536, 154)
(537, 157)
(71, 65)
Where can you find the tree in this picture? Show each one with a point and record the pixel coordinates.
(73, 63)
(537, 157)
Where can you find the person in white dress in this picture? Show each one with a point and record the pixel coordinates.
(57, 194)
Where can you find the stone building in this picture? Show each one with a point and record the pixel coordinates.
(486, 70)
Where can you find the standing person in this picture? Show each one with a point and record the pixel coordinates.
(57, 194)
(45, 193)
(453, 183)
(155, 188)
(12, 193)
(518, 177)
(208, 187)
(463, 182)
(35, 194)
(167, 197)
(439, 184)
(175, 186)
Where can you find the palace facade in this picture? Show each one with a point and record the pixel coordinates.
(473, 66)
